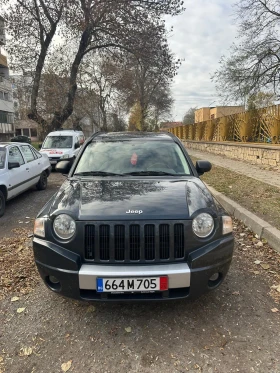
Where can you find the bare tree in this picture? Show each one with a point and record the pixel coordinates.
(152, 72)
(93, 24)
(103, 75)
(254, 63)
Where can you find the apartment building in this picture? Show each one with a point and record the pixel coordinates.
(6, 94)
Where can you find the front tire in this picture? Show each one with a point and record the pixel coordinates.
(2, 203)
(43, 181)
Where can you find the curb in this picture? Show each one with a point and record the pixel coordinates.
(258, 226)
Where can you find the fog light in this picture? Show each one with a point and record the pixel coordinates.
(53, 283)
(53, 280)
(215, 280)
(214, 277)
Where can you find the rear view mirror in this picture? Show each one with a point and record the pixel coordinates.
(203, 166)
(13, 165)
(63, 167)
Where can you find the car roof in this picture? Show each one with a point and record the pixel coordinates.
(65, 133)
(5, 144)
(133, 136)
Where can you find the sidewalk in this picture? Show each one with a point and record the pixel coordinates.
(250, 170)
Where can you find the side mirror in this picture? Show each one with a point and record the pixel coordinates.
(77, 145)
(40, 146)
(63, 167)
(13, 165)
(203, 166)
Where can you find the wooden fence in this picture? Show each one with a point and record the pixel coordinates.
(261, 125)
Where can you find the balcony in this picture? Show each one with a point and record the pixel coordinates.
(5, 83)
(7, 128)
(3, 61)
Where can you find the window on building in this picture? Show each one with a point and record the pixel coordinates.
(18, 131)
(1, 95)
(10, 118)
(25, 131)
(212, 116)
(33, 132)
(6, 96)
(3, 117)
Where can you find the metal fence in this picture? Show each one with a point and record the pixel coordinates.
(262, 125)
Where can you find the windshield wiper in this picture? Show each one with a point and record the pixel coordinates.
(152, 173)
(96, 173)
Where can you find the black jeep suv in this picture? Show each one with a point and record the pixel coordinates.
(133, 221)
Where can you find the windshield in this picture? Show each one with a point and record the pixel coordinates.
(133, 157)
(2, 157)
(58, 142)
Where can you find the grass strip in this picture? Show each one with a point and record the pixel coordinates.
(260, 198)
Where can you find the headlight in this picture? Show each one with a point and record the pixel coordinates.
(64, 226)
(65, 156)
(39, 227)
(203, 225)
(227, 224)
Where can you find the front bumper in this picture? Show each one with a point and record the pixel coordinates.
(188, 279)
(55, 160)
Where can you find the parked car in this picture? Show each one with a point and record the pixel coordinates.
(133, 221)
(63, 144)
(21, 138)
(21, 167)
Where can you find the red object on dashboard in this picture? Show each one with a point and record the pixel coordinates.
(133, 159)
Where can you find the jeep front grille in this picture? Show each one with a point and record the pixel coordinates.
(131, 243)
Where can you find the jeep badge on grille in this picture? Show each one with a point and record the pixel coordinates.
(134, 212)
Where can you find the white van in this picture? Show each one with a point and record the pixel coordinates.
(63, 144)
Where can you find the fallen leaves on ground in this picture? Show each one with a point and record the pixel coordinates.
(128, 329)
(25, 351)
(260, 260)
(276, 287)
(18, 272)
(66, 366)
(20, 310)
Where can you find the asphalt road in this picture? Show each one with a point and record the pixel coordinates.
(22, 210)
(229, 330)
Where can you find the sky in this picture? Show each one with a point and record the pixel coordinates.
(201, 35)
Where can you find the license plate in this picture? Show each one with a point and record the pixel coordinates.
(53, 162)
(121, 285)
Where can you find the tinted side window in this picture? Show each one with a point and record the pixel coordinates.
(15, 155)
(28, 154)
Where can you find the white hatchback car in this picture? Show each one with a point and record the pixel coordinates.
(21, 167)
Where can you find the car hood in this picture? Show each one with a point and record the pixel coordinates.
(132, 199)
(2, 171)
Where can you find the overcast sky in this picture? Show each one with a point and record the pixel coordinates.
(201, 35)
